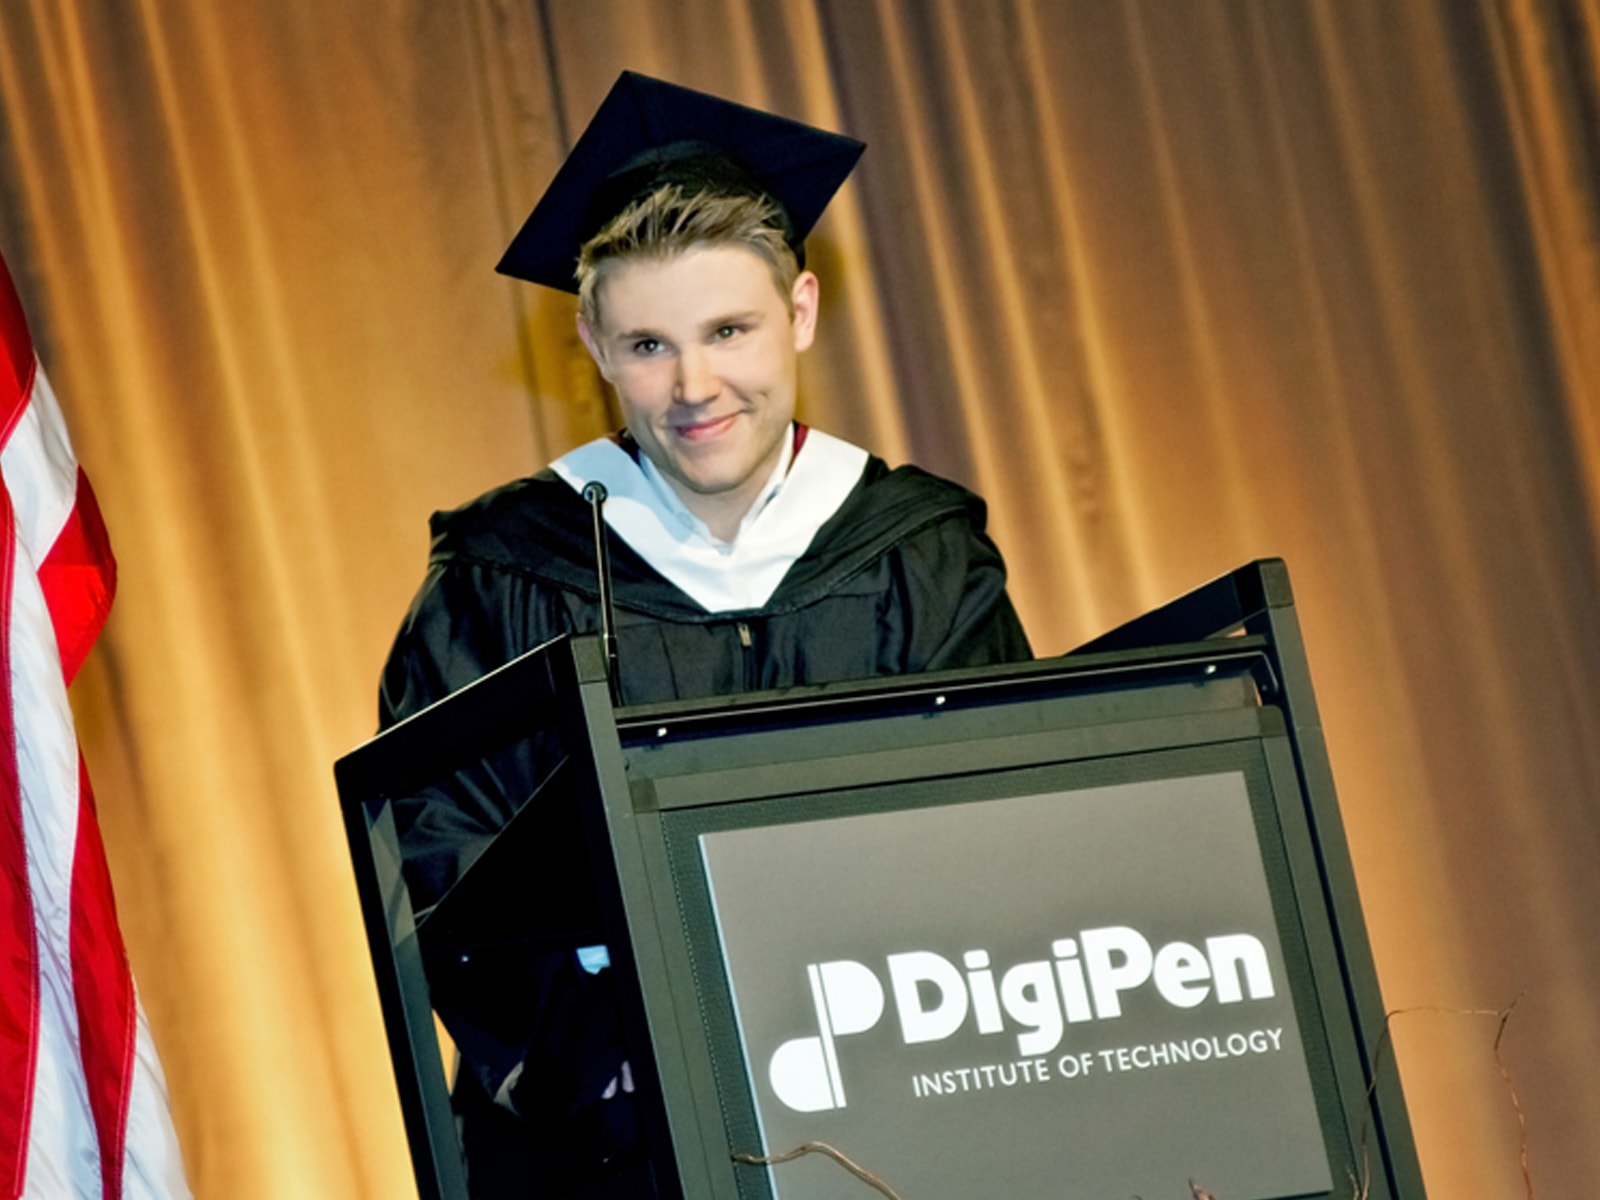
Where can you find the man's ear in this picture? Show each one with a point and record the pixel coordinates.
(804, 298)
(591, 342)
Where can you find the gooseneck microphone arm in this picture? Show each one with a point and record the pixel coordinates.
(595, 493)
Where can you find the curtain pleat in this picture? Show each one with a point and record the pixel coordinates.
(1174, 283)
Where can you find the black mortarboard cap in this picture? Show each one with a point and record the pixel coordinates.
(647, 133)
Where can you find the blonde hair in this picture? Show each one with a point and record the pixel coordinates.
(669, 221)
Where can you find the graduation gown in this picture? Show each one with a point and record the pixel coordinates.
(900, 579)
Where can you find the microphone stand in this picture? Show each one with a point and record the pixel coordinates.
(595, 493)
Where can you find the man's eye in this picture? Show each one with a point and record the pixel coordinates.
(647, 346)
(724, 332)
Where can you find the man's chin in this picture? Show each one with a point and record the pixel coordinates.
(706, 474)
(709, 486)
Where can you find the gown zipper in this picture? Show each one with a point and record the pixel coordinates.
(747, 643)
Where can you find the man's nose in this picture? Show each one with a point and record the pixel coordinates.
(696, 382)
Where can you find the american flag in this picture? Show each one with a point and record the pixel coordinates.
(83, 1105)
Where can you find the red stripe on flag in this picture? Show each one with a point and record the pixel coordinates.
(103, 986)
(79, 578)
(17, 361)
(19, 969)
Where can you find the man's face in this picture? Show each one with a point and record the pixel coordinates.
(702, 348)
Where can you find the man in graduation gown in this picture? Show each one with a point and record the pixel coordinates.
(749, 552)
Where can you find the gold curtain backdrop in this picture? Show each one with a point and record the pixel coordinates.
(1174, 283)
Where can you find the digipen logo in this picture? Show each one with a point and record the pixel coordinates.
(804, 1072)
(1036, 1000)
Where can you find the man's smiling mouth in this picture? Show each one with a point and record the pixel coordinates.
(701, 431)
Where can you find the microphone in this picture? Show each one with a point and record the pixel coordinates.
(595, 493)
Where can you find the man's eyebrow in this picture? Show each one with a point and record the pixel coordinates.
(743, 317)
(630, 335)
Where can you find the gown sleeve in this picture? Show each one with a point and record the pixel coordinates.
(945, 604)
(535, 1031)
(959, 611)
(465, 621)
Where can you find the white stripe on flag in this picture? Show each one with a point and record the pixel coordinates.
(153, 1168)
(41, 472)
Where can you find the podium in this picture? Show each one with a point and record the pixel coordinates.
(1081, 927)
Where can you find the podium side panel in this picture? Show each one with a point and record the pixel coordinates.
(403, 998)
